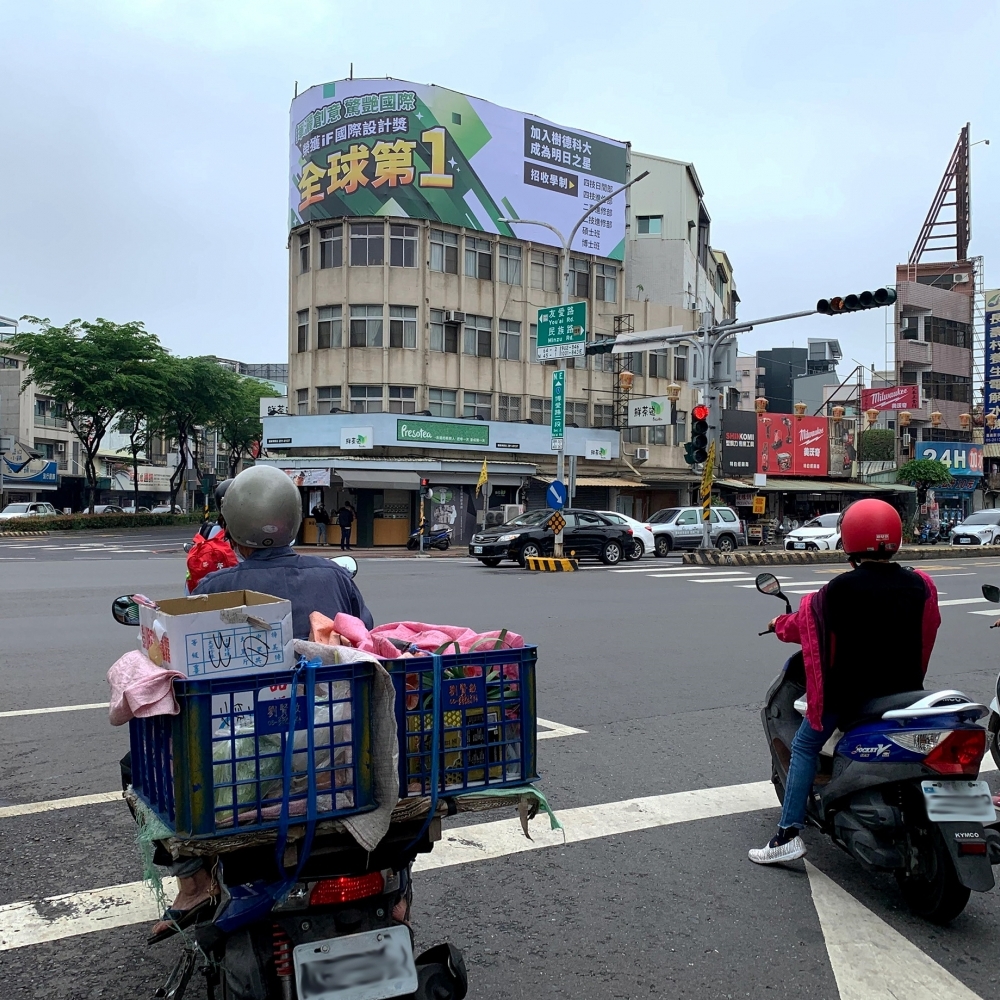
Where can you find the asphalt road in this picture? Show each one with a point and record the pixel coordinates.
(662, 668)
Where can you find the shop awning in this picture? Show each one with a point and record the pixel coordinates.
(777, 485)
(610, 481)
(378, 479)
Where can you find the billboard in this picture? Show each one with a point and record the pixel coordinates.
(961, 459)
(840, 445)
(991, 391)
(650, 411)
(788, 445)
(380, 147)
(739, 442)
(891, 397)
(19, 468)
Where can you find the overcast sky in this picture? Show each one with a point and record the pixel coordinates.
(144, 154)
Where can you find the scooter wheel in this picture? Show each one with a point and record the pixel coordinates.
(934, 893)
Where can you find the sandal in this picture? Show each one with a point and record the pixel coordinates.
(181, 919)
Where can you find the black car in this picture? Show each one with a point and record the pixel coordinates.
(586, 534)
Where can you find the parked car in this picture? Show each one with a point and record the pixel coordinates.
(104, 508)
(680, 528)
(643, 541)
(981, 528)
(132, 510)
(820, 533)
(165, 508)
(14, 511)
(587, 533)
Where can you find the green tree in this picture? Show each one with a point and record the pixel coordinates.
(239, 423)
(924, 473)
(877, 445)
(94, 369)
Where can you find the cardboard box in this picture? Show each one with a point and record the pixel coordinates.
(234, 633)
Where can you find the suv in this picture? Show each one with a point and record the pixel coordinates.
(18, 510)
(587, 533)
(680, 528)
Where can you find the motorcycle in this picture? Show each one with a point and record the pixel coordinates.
(338, 930)
(992, 594)
(434, 538)
(928, 535)
(897, 789)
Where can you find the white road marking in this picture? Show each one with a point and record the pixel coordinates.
(554, 730)
(29, 808)
(725, 579)
(870, 959)
(944, 576)
(810, 590)
(58, 708)
(995, 612)
(962, 600)
(788, 583)
(695, 575)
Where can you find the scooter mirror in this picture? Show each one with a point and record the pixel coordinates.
(767, 583)
(991, 593)
(124, 610)
(347, 562)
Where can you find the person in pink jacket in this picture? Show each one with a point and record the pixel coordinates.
(868, 633)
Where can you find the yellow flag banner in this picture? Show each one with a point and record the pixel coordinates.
(482, 478)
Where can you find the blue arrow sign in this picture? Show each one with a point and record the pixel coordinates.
(555, 495)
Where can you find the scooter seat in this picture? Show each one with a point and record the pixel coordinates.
(873, 710)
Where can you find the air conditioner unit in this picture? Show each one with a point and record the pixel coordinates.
(642, 454)
(61, 447)
(454, 316)
(511, 510)
(961, 279)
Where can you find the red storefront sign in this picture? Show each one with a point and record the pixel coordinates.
(788, 445)
(891, 397)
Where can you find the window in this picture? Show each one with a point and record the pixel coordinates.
(403, 326)
(302, 326)
(680, 364)
(477, 404)
(444, 251)
(578, 362)
(327, 398)
(509, 408)
(304, 240)
(650, 225)
(633, 363)
(576, 413)
(632, 435)
(545, 271)
(541, 411)
(680, 426)
(509, 264)
(478, 336)
(947, 331)
(533, 344)
(606, 283)
(329, 327)
(956, 388)
(366, 399)
(402, 399)
(509, 340)
(366, 326)
(367, 244)
(604, 415)
(659, 364)
(444, 336)
(402, 246)
(331, 246)
(688, 517)
(442, 402)
(579, 278)
(301, 402)
(478, 258)
(659, 434)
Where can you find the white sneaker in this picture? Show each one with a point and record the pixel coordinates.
(789, 851)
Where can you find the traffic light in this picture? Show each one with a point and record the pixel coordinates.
(425, 488)
(699, 436)
(855, 303)
(602, 346)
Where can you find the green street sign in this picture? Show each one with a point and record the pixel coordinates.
(558, 409)
(433, 432)
(562, 331)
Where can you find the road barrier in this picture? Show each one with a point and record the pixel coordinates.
(549, 564)
(22, 534)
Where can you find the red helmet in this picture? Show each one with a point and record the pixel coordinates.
(871, 527)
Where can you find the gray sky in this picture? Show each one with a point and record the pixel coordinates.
(143, 167)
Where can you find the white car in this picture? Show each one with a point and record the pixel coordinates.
(165, 508)
(819, 533)
(981, 528)
(642, 534)
(18, 510)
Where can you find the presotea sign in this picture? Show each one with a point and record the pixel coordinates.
(376, 147)
(436, 432)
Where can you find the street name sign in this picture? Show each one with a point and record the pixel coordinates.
(562, 331)
(558, 409)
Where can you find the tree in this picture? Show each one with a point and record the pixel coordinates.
(877, 445)
(239, 423)
(924, 473)
(94, 369)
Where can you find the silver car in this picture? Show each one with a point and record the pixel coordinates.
(680, 528)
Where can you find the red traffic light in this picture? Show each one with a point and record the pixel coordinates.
(700, 412)
(425, 482)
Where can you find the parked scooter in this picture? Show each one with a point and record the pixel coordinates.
(928, 535)
(897, 788)
(339, 930)
(434, 538)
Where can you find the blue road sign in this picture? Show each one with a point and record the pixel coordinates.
(555, 495)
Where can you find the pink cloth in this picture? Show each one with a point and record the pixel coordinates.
(140, 689)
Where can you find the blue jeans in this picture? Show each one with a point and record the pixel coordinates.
(806, 745)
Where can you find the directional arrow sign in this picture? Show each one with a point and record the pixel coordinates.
(555, 495)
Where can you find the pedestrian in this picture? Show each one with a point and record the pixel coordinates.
(345, 518)
(322, 516)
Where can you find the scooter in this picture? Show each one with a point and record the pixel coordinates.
(338, 930)
(992, 594)
(897, 788)
(434, 538)
(928, 535)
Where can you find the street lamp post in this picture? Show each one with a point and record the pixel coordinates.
(566, 244)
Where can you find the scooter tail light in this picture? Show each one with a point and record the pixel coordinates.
(922, 742)
(332, 891)
(960, 753)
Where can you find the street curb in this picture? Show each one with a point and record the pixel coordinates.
(784, 557)
(549, 564)
(22, 534)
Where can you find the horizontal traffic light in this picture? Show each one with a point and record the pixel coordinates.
(855, 303)
(601, 346)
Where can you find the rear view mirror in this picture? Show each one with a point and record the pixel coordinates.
(124, 610)
(767, 583)
(348, 563)
(991, 593)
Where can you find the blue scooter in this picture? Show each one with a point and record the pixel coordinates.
(898, 790)
(434, 538)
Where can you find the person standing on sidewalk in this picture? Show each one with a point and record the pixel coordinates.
(322, 516)
(345, 518)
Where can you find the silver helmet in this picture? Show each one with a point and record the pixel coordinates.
(262, 508)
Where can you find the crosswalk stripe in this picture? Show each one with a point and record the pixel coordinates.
(58, 708)
(994, 612)
(962, 600)
(74, 801)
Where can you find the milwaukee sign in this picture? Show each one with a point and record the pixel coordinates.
(891, 397)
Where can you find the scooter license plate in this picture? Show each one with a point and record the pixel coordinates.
(958, 802)
(477, 550)
(373, 965)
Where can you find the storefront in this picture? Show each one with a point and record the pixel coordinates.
(965, 462)
(25, 477)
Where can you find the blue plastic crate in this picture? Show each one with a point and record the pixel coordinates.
(488, 727)
(218, 767)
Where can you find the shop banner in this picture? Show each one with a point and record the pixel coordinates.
(992, 364)
(891, 397)
(376, 147)
(435, 432)
(788, 445)
(962, 459)
(739, 442)
(18, 467)
(842, 452)
(654, 410)
(152, 479)
(308, 477)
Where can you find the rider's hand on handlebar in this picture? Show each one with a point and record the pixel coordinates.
(770, 627)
